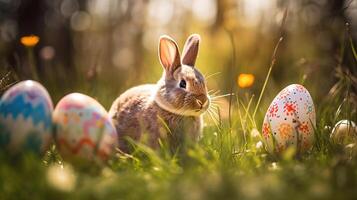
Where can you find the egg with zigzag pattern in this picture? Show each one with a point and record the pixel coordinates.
(25, 118)
(83, 129)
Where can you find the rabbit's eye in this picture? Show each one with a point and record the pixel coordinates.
(182, 84)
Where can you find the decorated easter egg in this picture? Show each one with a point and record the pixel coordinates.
(290, 121)
(26, 118)
(344, 132)
(83, 129)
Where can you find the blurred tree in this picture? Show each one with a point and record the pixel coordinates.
(41, 18)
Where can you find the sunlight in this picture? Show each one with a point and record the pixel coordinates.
(200, 10)
(160, 12)
(254, 10)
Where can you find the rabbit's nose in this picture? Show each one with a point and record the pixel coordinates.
(202, 101)
(199, 102)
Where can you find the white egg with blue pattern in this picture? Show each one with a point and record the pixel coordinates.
(25, 118)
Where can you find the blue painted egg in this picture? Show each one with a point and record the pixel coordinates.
(25, 118)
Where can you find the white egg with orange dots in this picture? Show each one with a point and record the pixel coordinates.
(290, 121)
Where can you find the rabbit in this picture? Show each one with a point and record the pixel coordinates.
(173, 107)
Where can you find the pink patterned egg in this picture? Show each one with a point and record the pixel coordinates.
(83, 129)
(290, 121)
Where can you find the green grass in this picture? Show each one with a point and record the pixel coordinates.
(224, 164)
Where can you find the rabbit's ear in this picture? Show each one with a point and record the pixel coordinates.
(190, 50)
(169, 54)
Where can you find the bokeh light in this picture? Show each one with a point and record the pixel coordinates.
(245, 80)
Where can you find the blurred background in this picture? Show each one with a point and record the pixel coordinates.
(103, 47)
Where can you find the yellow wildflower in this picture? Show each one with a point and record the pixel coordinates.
(245, 80)
(30, 40)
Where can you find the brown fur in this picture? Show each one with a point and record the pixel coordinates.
(164, 110)
(135, 113)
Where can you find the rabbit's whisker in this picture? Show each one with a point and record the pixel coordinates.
(220, 96)
(215, 114)
(215, 121)
(214, 107)
(210, 115)
(211, 75)
(209, 91)
(215, 92)
(215, 103)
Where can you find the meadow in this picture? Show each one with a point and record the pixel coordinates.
(230, 160)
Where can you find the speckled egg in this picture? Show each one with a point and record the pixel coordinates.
(290, 121)
(344, 132)
(83, 129)
(26, 118)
